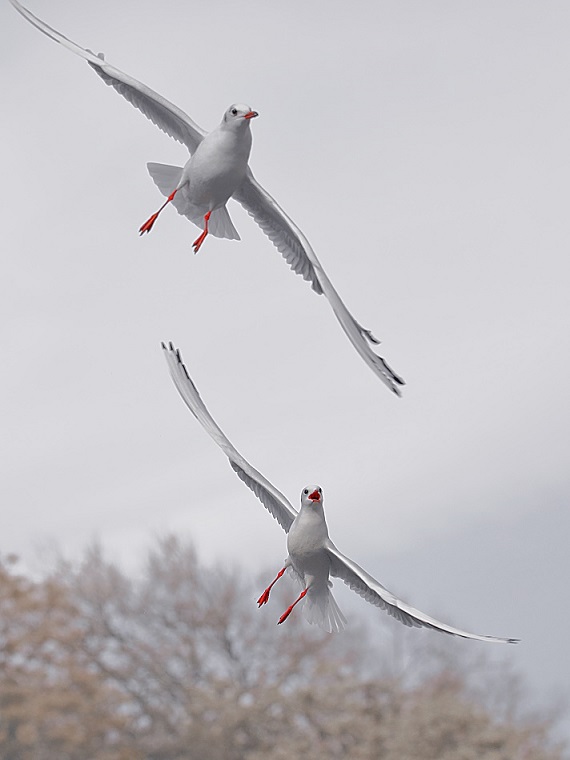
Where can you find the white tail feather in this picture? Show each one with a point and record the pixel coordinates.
(320, 608)
(220, 225)
(166, 178)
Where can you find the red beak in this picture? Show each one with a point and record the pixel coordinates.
(315, 496)
(251, 115)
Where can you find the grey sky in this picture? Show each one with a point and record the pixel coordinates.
(423, 149)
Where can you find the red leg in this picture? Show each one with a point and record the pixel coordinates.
(199, 240)
(264, 598)
(289, 610)
(147, 226)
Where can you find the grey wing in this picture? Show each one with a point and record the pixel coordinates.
(272, 499)
(295, 248)
(374, 592)
(167, 117)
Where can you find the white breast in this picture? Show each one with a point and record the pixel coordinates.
(308, 531)
(218, 167)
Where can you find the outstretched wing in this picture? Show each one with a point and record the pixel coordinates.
(368, 588)
(272, 499)
(167, 117)
(295, 248)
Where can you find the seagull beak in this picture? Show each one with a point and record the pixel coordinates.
(315, 496)
(251, 115)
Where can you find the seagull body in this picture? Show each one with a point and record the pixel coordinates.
(217, 171)
(306, 544)
(312, 557)
(210, 177)
(219, 165)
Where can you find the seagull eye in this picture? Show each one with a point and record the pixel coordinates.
(306, 491)
(234, 111)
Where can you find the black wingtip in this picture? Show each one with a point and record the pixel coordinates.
(372, 338)
(171, 348)
(394, 381)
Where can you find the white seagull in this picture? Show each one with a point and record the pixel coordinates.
(312, 555)
(216, 171)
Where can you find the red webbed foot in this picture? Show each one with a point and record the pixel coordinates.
(199, 240)
(147, 226)
(289, 610)
(264, 598)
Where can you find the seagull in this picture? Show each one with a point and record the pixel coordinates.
(217, 170)
(214, 172)
(312, 556)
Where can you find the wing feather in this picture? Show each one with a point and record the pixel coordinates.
(295, 248)
(374, 592)
(164, 114)
(272, 499)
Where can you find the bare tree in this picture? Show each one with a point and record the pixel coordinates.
(52, 703)
(178, 664)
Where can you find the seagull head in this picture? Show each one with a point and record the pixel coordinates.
(239, 113)
(311, 495)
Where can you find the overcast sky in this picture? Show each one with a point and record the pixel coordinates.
(423, 149)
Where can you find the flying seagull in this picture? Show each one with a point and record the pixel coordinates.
(312, 556)
(216, 171)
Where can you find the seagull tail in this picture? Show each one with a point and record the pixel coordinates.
(166, 178)
(321, 609)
